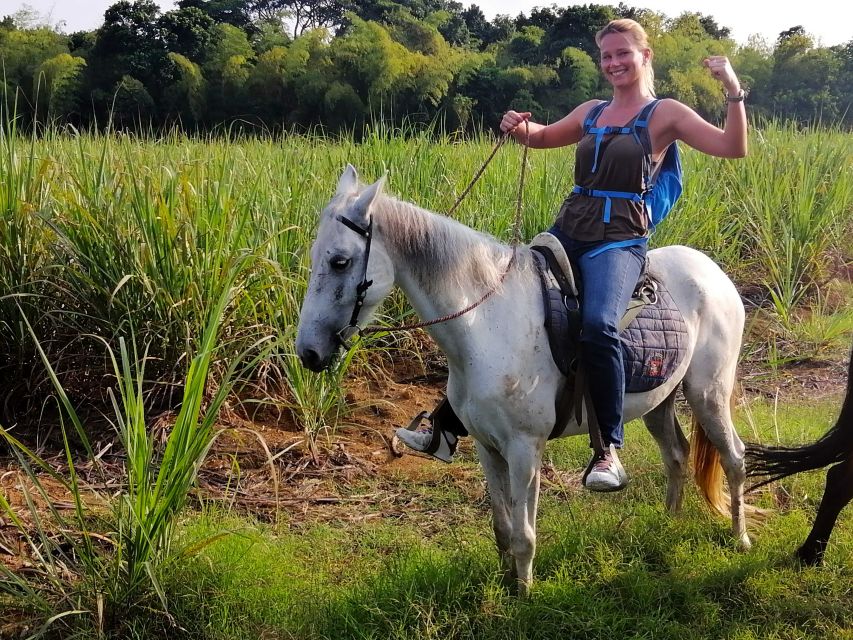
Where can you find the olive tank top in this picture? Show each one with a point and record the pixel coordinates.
(620, 168)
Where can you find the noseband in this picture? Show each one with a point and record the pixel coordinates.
(349, 331)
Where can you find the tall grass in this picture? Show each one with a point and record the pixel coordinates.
(25, 187)
(114, 235)
(101, 229)
(798, 199)
(89, 580)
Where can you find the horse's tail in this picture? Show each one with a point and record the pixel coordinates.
(708, 471)
(775, 463)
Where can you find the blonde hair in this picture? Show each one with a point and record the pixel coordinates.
(633, 30)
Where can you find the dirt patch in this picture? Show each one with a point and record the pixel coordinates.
(797, 381)
(269, 468)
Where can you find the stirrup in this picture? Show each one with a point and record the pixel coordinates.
(442, 444)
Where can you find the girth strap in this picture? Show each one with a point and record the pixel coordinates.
(583, 400)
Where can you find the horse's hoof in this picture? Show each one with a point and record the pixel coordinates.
(809, 557)
(509, 581)
(744, 543)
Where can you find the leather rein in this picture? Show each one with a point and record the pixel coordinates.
(352, 329)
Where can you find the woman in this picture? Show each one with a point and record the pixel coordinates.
(607, 237)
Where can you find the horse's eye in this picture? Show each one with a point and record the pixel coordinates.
(339, 263)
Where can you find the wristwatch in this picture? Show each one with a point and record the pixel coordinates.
(738, 98)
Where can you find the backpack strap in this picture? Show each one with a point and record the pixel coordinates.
(640, 130)
(608, 196)
(641, 134)
(592, 115)
(641, 125)
(599, 132)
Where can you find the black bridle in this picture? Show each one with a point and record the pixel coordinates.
(352, 329)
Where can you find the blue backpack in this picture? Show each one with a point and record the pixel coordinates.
(663, 186)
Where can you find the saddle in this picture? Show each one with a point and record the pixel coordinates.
(652, 329)
(653, 332)
(562, 302)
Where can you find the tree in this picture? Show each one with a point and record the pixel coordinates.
(227, 69)
(271, 32)
(452, 27)
(81, 43)
(127, 44)
(184, 97)
(541, 17)
(133, 105)
(415, 35)
(803, 77)
(269, 95)
(524, 46)
(713, 29)
(237, 13)
(579, 79)
(228, 41)
(679, 73)
(372, 61)
(188, 32)
(479, 28)
(305, 14)
(342, 106)
(59, 78)
(310, 72)
(22, 52)
(384, 72)
(576, 27)
(503, 26)
(754, 65)
(27, 17)
(843, 84)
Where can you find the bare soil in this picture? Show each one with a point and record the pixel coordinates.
(269, 468)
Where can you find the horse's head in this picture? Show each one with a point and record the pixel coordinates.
(351, 273)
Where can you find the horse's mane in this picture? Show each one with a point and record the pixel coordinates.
(439, 250)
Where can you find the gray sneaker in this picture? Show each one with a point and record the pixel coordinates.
(606, 473)
(438, 444)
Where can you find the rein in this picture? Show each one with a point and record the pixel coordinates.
(352, 329)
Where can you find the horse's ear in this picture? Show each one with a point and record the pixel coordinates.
(366, 197)
(348, 182)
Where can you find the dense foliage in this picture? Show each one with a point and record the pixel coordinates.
(338, 63)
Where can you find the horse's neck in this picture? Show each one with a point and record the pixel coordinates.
(442, 266)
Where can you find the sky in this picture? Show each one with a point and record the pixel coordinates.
(830, 21)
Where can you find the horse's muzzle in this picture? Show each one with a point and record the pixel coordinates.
(314, 361)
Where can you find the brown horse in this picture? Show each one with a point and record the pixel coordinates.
(836, 448)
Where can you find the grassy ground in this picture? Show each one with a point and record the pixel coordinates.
(607, 565)
(111, 236)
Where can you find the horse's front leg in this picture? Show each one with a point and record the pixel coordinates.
(497, 478)
(524, 458)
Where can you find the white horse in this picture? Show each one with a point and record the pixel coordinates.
(502, 379)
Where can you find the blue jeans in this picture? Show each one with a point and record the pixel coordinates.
(607, 282)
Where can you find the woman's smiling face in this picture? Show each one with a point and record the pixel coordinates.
(621, 59)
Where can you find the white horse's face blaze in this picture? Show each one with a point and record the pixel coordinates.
(337, 267)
